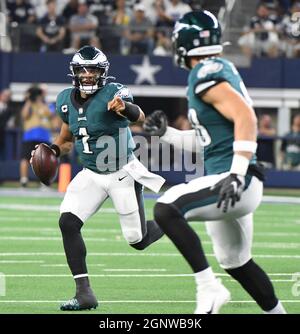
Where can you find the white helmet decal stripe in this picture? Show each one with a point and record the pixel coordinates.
(216, 23)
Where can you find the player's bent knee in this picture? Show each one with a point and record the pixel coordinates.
(131, 227)
(69, 223)
(133, 236)
(164, 212)
(231, 259)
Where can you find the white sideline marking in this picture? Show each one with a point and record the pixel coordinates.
(266, 256)
(136, 301)
(281, 199)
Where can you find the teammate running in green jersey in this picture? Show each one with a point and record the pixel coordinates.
(224, 124)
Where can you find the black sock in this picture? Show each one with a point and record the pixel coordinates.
(152, 234)
(82, 285)
(84, 293)
(256, 282)
(74, 246)
(183, 236)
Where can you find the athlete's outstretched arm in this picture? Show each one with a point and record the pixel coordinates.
(156, 124)
(126, 109)
(64, 140)
(181, 139)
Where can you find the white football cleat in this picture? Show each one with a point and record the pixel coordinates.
(211, 298)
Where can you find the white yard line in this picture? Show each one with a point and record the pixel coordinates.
(65, 265)
(51, 208)
(135, 269)
(135, 301)
(125, 275)
(89, 230)
(20, 261)
(266, 256)
(45, 230)
(275, 245)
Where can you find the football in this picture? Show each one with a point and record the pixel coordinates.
(44, 164)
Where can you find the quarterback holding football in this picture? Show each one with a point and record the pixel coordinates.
(96, 115)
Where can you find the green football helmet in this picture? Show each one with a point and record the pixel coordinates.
(89, 59)
(197, 33)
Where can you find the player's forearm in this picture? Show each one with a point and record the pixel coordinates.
(245, 130)
(244, 145)
(64, 146)
(180, 139)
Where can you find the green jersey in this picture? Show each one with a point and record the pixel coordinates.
(103, 140)
(214, 131)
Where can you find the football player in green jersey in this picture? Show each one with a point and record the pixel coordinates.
(224, 123)
(95, 116)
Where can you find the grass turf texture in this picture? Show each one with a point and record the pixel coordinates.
(126, 280)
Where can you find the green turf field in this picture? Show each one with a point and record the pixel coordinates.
(125, 280)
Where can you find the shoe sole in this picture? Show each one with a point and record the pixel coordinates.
(219, 303)
(80, 309)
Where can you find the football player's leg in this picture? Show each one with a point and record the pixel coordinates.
(151, 232)
(232, 240)
(127, 196)
(170, 213)
(82, 199)
(184, 201)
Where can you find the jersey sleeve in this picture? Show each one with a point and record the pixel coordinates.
(207, 75)
(62, 108)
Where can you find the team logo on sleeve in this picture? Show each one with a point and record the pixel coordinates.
(123, 93)
(64, 108)
(209, 68)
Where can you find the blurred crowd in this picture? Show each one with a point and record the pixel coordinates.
(141, 26)
(116, 26)
(282, 152)
(274, 31)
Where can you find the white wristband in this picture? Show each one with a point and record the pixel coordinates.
(239, 165)
(244, 146)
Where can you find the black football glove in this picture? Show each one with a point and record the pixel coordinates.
(231, 188)
(156, 123)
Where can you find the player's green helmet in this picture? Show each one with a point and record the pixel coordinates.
(89, 58)
(197, 33)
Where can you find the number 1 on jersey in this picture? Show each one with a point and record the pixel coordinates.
(85, 138)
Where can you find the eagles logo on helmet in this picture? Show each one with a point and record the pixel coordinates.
(89, 68)
(197, 33)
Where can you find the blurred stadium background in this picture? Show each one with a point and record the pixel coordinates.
(37, 40)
